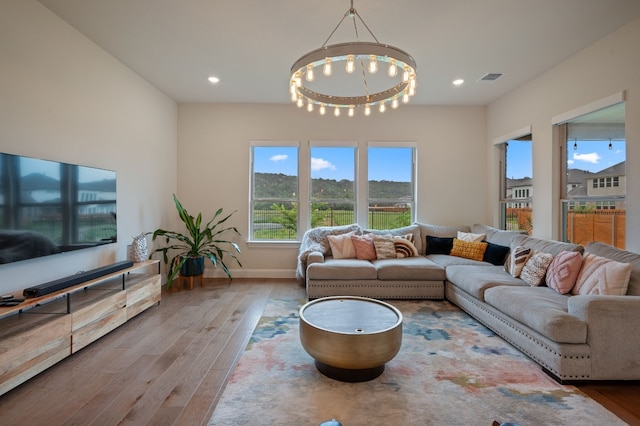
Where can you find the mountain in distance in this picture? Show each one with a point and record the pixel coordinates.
(278, 185)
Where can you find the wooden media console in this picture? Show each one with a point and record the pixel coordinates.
(42, 331)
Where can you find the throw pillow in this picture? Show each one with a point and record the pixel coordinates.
(385, 248)
(468, 250)
(495, 253)
(535, 269)
(342, 246)
(563, 271)
(438, 245)
(600, 275)
(365, 249)
(471, 237)
(404, 247)
(516, 261)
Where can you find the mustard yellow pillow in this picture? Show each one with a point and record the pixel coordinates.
(468, 249)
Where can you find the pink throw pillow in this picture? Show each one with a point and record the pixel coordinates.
(365, 250)
(563, 271)
(600, 275)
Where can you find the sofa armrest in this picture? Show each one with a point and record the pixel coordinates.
(315, 257)
(613, 330)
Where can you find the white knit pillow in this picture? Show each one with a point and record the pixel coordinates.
(536, 268)
(341, 246)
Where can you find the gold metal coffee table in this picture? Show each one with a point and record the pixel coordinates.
(350, 338)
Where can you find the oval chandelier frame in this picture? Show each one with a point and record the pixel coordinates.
(360, 50)
(402, 71)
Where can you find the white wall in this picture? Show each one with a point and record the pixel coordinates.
(213, 166)
(63, 98)
(609, 66)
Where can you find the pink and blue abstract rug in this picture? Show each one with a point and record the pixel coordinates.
(451, 370)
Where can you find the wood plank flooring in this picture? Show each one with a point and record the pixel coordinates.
(169, 365)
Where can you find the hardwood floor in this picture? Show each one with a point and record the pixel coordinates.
(169, 365)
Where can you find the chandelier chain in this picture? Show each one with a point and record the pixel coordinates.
(355, 29)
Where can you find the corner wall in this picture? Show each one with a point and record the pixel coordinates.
(63, 98)
(606, 67)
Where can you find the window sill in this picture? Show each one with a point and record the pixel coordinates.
(274, 244)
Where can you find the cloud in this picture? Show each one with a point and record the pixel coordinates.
(570, 162)
(321, 164)
(279, 157)
(592, 157)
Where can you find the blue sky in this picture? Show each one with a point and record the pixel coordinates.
(589, 155)
(395, 164)
(336, 163)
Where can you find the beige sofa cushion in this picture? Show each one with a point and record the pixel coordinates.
(400, 232)
(540, 308)
(476, 279)
(345, 269)
(495, 235)
(446, 260)
(546, 246)
(411, 268)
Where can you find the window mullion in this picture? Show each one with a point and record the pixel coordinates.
(304, 185)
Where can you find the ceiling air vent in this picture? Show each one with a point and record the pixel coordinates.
(492, 76)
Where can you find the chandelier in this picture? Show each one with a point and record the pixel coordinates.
(359, 85)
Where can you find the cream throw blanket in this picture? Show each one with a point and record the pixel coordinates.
(316, 240)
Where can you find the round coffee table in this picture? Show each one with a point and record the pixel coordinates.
(350, 338)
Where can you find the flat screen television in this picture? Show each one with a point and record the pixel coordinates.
(47, 207)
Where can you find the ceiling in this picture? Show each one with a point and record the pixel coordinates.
(251, 44)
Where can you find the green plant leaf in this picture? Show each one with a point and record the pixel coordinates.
(198, 241)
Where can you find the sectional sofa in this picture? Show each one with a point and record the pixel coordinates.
(574, 334)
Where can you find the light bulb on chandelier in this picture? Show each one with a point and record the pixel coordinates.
(360, 56)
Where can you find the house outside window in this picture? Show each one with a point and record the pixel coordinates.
(594, 167)
(516, 193)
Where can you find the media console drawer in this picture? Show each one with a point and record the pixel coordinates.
(95, 330)
(30, 350)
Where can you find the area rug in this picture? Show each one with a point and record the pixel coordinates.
(450, 370)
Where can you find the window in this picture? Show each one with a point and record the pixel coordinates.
(333, 185)
(274, 192)
(295, 187)
(593, 203)
(391, 185)
(516, 194)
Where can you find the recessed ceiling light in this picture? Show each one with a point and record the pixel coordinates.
(458, 82)
(213, 79)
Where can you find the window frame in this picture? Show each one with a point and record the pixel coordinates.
(521, 135)
(252, 200)
(304, 181)
(366, 201)
(332, 144)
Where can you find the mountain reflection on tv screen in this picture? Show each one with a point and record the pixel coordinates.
(47, 207)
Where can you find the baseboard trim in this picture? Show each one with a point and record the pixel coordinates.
(251, 273)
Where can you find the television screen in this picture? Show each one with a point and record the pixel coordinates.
(47, 207)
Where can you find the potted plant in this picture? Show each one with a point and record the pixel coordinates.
(190, 249)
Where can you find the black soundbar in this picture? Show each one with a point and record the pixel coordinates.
(79, 278)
